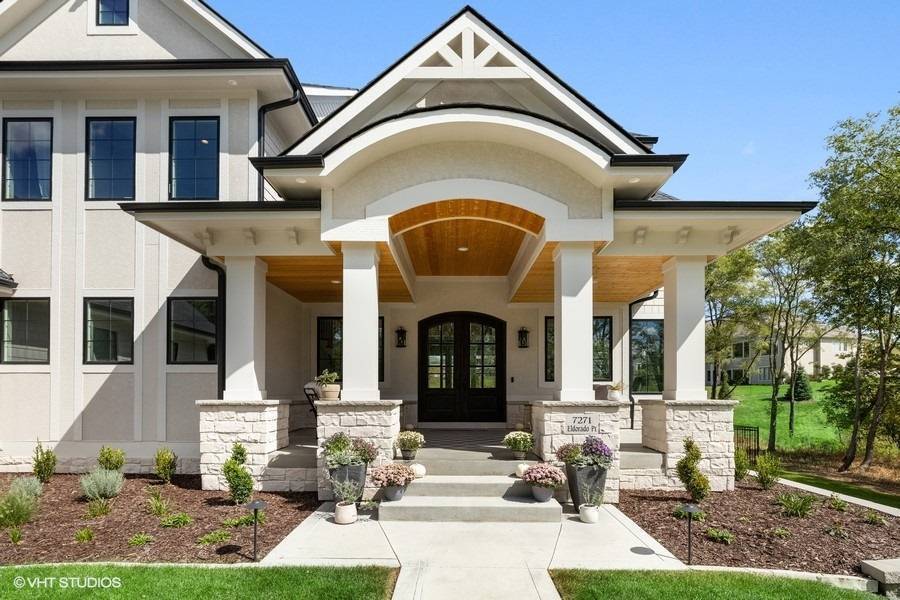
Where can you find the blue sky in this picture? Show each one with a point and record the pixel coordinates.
(748, 89)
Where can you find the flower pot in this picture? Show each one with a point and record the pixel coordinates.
(394, 492)
(584, 478)
(331, 391)
(354, 473)
(589, 513)
(408, 454)
(542, 494)
(345, 513)
(519, 454)
(614, 395)
(521, 468)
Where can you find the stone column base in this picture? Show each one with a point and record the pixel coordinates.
(549, 421)
(260, 425)
(375, 420)
(667, 423)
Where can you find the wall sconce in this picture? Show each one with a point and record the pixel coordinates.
(401, 337)
(523, 337)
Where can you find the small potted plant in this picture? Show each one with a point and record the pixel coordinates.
(344, 459)
(520, 442)
(346, 493)
(614, 392)
(544, 479)
(589, 511)
(409, 443)
(393, 477)
(327, 381)
(586, 466)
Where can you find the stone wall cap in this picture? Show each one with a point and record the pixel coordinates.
(266, 402)
(365, 403)
(707, 402)
(886, 571)
(578, 403)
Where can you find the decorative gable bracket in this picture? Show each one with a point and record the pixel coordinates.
(468, 56)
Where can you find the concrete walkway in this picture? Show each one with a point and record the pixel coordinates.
(474, 561)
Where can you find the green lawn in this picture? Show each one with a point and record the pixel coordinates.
(841, 487)
(319, 583)
(696, 585)
(812, 431)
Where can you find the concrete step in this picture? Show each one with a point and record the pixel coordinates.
(469, 486)
(454, 466)
(470, 509)
(635, 456)
(630, 436)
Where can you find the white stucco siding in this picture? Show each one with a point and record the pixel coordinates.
(286, 347)
(467, 160)
(109, 257)
(108, 413)
(25, 399)
(25, 246)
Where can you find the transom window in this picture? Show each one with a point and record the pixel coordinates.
(110, 158)
(602, 342)
(330, 346)
(194, 158)
(108, 330)
(27, 159)
(112, 12)
(192, 331)
(26, 330)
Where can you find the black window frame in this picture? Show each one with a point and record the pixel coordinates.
(84, 330)
(4, 153)
(87, 159)
(3, 302)
(172, 121)
(215, 320)
(549, 360)
(98, 12)
(662, 356)
(381, 347)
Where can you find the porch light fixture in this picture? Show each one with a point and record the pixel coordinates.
(300, 179)
(256, 506)
(634, 180)
(691, 510)
(401, 337)
(336, 281)
(523, 337)
(463, 248)
(232, 82)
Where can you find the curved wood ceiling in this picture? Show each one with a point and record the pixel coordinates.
(482, 210)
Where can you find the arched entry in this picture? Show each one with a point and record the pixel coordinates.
(462, 368)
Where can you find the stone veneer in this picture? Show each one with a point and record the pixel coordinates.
(141, 465)
(548, 423)
(377, 421)
(666, 424)
(260, 425)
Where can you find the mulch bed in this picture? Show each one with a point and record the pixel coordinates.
(751, 513)
(50, 537)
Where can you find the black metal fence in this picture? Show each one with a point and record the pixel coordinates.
(747, 438)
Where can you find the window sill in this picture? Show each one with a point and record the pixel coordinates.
(25, 368)
(26, 205)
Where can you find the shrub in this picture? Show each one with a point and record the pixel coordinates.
(30, 486)
(781, 533)
(240, 482)
(802, 390)
(112, 459)
(569, 453)
(873, 518)
(239, 453)
(796, 505)
(741, 464)
(140, 539)
(680, 513)
(695, 482)
(348, 491)
(102, 484)
(837, 531)
(156, 504)
(15, 535)
(165, 463)
(85, 534)
(366, 451)
(519, 441)
(544, 475)
(410, 440)
(16, 509)
(98, 508)
(339, 442)
(176, 520)
(218, 536)
(720, 536)
(244, 520)
(44, 463)
(392, 474)
(837, 503)
(768, 470)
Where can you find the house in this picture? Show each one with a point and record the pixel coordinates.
(749, 366)
(469, 242)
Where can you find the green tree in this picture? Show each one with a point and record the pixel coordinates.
(801, 390)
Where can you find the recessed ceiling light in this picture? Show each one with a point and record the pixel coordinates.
(300, 179)
(463, 248)
(335, 281)
(634, 180)
(232, 82)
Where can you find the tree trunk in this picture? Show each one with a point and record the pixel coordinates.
(715, 380)
(850, 455)
(792, 388)
(877, 412)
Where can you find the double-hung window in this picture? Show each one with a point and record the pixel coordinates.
(194, 158)
(329, 346)
(27, 159)
(110, 158)
(191, 331)
(108, 330)
(112, 12)
(602, 349)
(26, 330)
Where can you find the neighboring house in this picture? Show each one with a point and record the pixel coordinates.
(831, 350)
(465, 241)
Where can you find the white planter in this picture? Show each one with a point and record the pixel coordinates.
(589, 513)
(614, 395)
(331, 391)
(345, 513)
(418, 470)
(521, 468)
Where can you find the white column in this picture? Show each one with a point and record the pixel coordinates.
(245, 328)
(684, 342)
(360, 326)
(574, 320)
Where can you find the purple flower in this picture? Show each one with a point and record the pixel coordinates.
(594, 446)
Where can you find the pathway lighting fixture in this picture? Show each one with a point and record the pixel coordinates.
(690, 509)
(256, 506)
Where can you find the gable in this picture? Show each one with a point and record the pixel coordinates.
(55, 30)
(468, 61)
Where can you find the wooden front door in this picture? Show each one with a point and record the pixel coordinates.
(462, 368)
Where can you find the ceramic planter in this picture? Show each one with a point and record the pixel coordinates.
(408, 454)
(519, 455)
(542, 494)
(331, 391)
(394, 492)
(589, 513)
(521, 468)
(614, 395)
(584, 478)
(354, 473)
(345, 513)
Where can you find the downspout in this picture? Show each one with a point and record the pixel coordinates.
(261, 133)
(220, 323)
(631, 306)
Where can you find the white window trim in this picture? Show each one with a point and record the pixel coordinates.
(130, 29)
